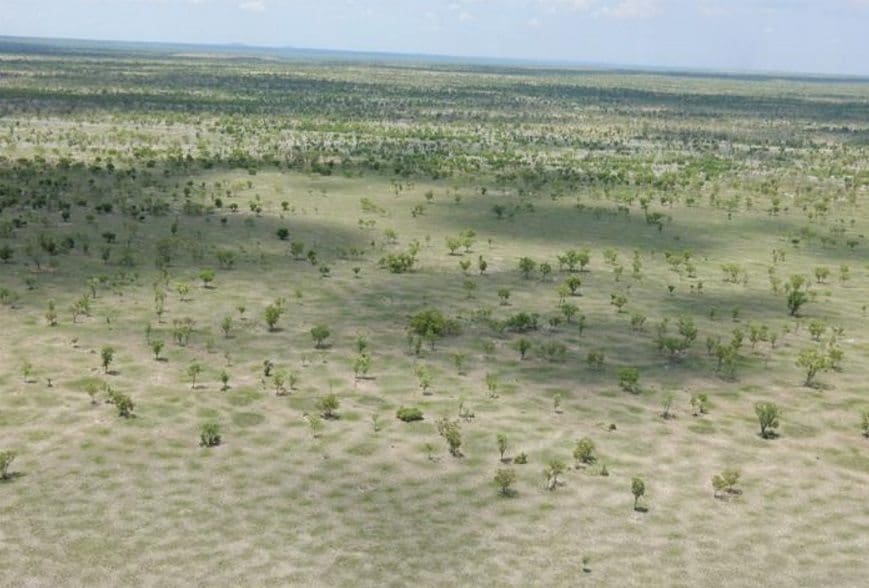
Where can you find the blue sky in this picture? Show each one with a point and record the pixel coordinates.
(821, 36)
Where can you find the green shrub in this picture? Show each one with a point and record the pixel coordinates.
(767, 415)
(409, 414)
(209, 434)
(504, 479)
(122, 402)
(6, 459)
(451, 432)
(638, 489)
(629, 380)
(725, 483)
(584, 451)
(554, 468)
(328, 405)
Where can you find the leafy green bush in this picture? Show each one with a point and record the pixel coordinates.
(209, 434)
(522, 322)
(767, 415)
(584, 451)
(725, 483)
(6, 459)
(638, 489)
(409, 414)
(504, 479)
(328, 405)
(451, 432)
(122, 402)
(629, 380)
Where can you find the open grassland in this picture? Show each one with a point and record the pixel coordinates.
(150, 198)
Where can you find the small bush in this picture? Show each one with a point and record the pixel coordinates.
(122, 402)
(638, 489)
(583, 453)
(209, 434)
(725, 483)
(629, 380)
(409, 414)
(452, 434)
(6, 459)
(327, 406)
(768, 417)
(504, 479)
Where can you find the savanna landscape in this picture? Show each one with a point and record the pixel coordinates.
(330, 320)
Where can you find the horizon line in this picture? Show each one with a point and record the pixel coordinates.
(526, 62)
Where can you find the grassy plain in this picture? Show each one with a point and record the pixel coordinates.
(361, 160)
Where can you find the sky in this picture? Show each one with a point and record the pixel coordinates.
(801, 36)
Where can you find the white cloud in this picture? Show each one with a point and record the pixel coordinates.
(623, 9)
(253, 6)
(633, 9)
(575, 5)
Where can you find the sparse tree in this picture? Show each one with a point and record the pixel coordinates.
(272, 315)
(699, 403)
(526, 266)
(554, 468)
(226, 326)
(667, 405)
(504, 479)
(193, 371)
(156, 348)
(6, 459)
(629, 379)
(209, 434)
(583, 452)
(107, 353)
(492, 385)
(207, 277)
(328, 405)
(813, 361)
(724, 484)
(452, 434)
(522, 346)
(361, 365)
(320, 333)
(502, 445)
(768, 416)
(638, 489)
(797, 294)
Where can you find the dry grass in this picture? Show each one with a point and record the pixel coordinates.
(106, 501)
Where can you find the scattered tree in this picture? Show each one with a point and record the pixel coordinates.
(638, 489)
(452, 434)
(584, 453)
(768, 416)
(328, 405)
(502, 445)
(504, 479)
(209, 434)
(320, 333)
(409, 414)
(107, 353)
(554, 468)
(6, 459)
(724, 484)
